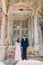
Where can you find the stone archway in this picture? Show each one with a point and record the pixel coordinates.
(20, 11)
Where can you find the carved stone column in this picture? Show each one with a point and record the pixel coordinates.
(3, 31)
(10, 29)
(30, 36)
(4, 37)
(6, 26)
(6, 31)
(2, 44)
(30, 30)
(36, 37)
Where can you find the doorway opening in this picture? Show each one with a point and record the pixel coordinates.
(20, 27)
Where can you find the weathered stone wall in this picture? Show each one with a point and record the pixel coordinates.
(35, 33)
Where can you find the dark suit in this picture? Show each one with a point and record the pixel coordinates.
(24, 45)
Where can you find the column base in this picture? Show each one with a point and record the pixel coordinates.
(30, 51)
(36, 53)
(2, 52)
(36, 50)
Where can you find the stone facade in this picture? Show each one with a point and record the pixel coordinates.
(23, 10)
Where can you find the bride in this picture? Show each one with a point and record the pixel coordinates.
(17, 50)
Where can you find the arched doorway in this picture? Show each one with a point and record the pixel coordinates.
(20, 27)
(20, 19)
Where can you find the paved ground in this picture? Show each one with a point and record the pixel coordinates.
(11, 61)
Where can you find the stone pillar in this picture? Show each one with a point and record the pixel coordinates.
(3, 31)
(36, 38)
(10, 29)
(32, 26)
(29, 30)
(2, 44)
(30, 36)
(4, 37)
(7, 39)
(6, 26)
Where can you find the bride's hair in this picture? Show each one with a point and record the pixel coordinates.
(18, 40)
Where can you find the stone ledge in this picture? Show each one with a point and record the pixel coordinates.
(29, 53)
(36, 53)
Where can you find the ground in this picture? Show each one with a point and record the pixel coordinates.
(11, 61)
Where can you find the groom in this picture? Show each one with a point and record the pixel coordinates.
(24, 45)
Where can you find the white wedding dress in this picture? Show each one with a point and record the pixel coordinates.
(17, 51)
(1, 63)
